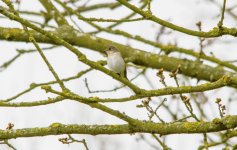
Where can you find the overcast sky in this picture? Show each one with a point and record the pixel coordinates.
(30, 68)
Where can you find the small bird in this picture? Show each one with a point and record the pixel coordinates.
(116, 62)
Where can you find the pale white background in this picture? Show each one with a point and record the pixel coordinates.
(30, 68)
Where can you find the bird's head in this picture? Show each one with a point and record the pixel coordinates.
(111, 50)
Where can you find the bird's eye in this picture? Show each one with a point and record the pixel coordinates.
(110, 48)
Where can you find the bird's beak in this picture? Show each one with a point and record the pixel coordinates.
(106, 51)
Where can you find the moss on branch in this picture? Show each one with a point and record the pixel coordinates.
(189, 68)
(143, 127)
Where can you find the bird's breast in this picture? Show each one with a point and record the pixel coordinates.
(116, 63)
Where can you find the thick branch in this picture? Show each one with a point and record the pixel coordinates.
(160, 92)
(139, 57)
(145, 127)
